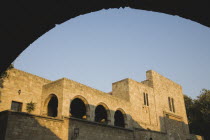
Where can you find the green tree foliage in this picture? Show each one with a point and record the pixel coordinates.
(30, 107)
(5, 75)
(189, 107)
(198, 113)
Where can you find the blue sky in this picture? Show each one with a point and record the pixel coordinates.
(103, 47)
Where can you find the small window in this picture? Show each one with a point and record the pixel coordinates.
(172, 101)
(146, 101)
(16, 106)
(171, 104)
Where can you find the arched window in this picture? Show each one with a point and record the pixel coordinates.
(52, 107)
(101, 114)
(119, 119)
(78, 109)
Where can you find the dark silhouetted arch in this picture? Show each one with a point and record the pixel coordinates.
(23, 23)
(119, 119)
(101, 114)
(78, 109)
(52, 107)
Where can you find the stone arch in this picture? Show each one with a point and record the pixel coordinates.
(38, 23)
(120, 119)
(51, 106)
(102, 113)
(79, 108)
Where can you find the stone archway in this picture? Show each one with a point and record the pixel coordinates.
(78, 109)
(119, 119)
(51, 106)
(101, 115)
(123, 117)
(25, 21)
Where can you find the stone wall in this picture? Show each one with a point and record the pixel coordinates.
(164, 88)
(55, 88)
(120, 89)
(96, 131)
(26, 126)
(175, 129)
(3, 124)
(146, 135)
(94, 98)
(22, 87)
(144, 115)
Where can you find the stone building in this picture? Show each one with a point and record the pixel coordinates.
(67, 110)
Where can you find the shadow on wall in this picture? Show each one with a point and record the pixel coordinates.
(88, 122)
(174, 127)
(18, 125)
(171, 127)
(106, 126)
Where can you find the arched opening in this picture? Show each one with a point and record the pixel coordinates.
(101, 114)
(52, 107)
(150, 139)
(78, 109)
(119, 119)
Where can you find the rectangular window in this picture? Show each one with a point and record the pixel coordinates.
(16, 106)
(171, 104)
(173, 108)
(147, 99)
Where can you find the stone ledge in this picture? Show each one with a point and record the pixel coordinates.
(11, 112)
(173, 115)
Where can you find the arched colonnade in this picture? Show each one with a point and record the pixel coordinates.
(80, 109)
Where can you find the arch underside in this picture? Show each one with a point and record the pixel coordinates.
(22, 22)
(101, 114)
(78, 109)
(119, 119)
(52, 107)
